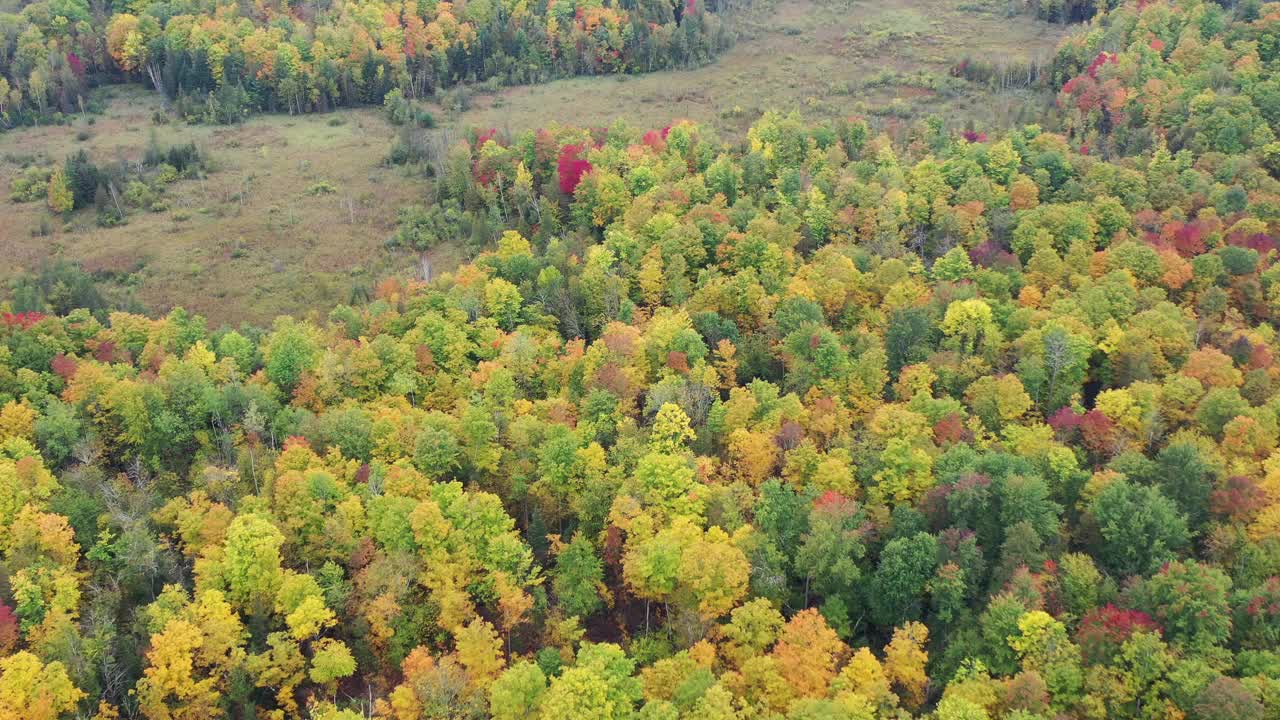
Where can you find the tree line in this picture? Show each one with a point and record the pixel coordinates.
(217, 62)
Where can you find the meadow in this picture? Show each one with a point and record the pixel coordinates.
(827, 60)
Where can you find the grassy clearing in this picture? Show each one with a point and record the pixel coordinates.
(298, 208)
(295, 212)
(887, 60)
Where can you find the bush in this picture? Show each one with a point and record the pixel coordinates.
(408, 148)
(31, 185)
(58, 287)
(44, 228)
(139, 194)
(402, 111)
(180, 158)
(109, 216)
(397, 106)
(423, 228)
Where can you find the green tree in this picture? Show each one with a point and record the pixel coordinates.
(290, 350)
(896, 591)
(251, 565)
(578, 576)
(1190, 601)
(1140, 529)
(517, 693)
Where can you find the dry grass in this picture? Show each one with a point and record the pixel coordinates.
(245, 243)
(829, 59)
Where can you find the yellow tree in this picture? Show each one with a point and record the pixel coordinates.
(808, 652)
(191, 659)
(32, 690)
(479, 651)
(170, 688)
(905, 660)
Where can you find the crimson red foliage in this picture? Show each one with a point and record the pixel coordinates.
(1096, 428)
(63, 366)
(1261, 242)
(1188, 239)
(974, 136)
(1103, 58)
(485, 136)
(1103, 631)
(949, 429)
(105, 352)
(990, 255)
(76, 64)
(24, 320)
(571, 168)
(654, 139)
(1065, 420)
(1265, 600)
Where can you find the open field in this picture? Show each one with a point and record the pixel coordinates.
(262, 235)
(259, 236)
(826, 59)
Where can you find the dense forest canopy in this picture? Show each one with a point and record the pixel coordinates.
(813, 425)
(220, 60)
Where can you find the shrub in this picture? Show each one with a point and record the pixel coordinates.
(31, 185)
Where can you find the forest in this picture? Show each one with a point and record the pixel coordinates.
(834, 421)
(221, 60)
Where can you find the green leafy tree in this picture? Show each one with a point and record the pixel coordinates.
(1140, 529)
(896, 591)
(578, 576)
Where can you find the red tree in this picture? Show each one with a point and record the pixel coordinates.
(63, 366)
(1104, 630)
(572, 168)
